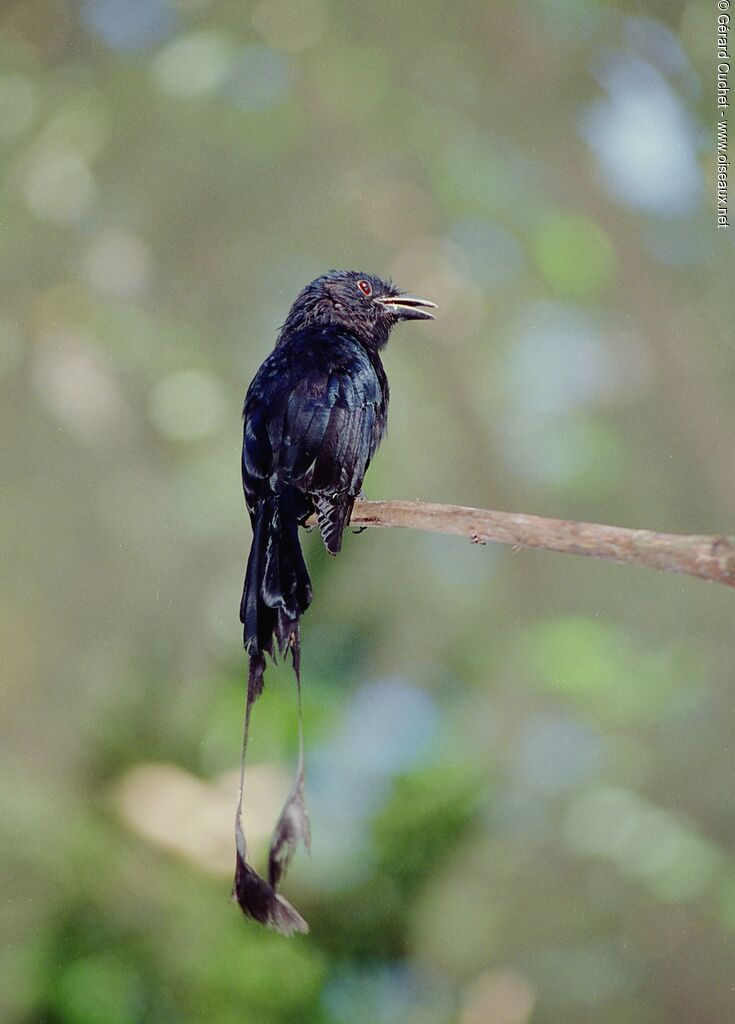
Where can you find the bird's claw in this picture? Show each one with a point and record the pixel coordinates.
(359, 529)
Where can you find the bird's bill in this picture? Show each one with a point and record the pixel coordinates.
(408, 307)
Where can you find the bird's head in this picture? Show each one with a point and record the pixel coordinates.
(362, 303)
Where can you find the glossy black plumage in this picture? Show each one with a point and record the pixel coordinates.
(314, 416)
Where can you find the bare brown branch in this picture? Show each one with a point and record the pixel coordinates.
(709, 558)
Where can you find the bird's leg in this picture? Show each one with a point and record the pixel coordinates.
(304, 521)
(359, 529)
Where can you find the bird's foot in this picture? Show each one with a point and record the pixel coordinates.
(359, 529)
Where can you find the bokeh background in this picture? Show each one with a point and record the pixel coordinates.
(521, 768)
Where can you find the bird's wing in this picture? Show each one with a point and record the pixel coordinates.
(332, 436)
(333, 470)
(315, 425)
(257, 454)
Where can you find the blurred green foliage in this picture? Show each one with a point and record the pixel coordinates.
(519, 765)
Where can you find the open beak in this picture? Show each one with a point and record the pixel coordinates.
(408, 307)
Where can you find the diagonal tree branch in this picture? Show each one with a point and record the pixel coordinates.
(709, 558)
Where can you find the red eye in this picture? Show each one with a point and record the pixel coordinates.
(365, 287)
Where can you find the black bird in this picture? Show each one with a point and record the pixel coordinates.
(314, 416)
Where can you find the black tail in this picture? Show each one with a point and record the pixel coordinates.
(277, 585)
(277, 591)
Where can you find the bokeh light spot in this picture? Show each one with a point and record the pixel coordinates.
(595, 665)
(260, 78)
(194, 64)
(647, 843)
(388, 994)
(59, 187)
(75, 385)
(179, 812)
(636, 132)
(118, 263)
(99, 989)
(187, 406)
(574, 255)
(499, 996)
(389, 726)
(130, 24)
(494, 258)
(559, 361)
(80, 128)
(553, 753)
